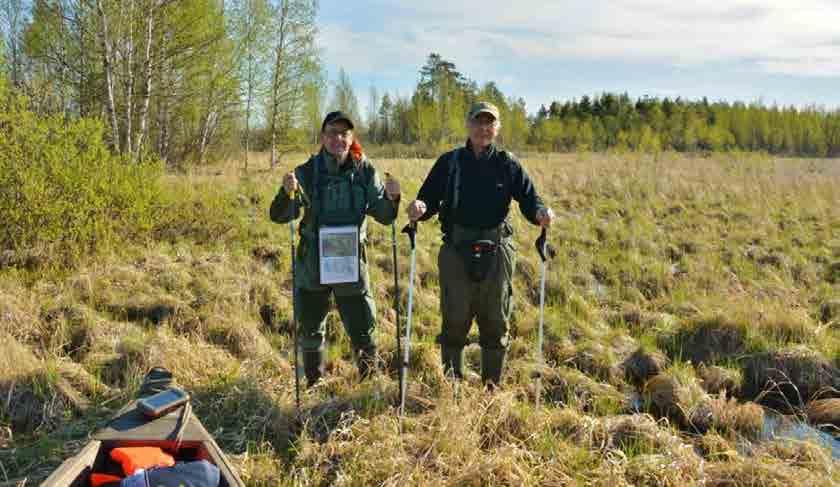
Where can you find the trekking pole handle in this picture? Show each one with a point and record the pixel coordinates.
(411, 231)
(545, 250)
(293, 198)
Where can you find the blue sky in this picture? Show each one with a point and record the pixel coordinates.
(779, 51)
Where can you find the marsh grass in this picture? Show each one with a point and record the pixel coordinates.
(683, 280)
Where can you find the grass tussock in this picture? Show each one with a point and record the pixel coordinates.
(571, 388)
(708, 340)
(801, 454)
(765, 472)
(716, 448)
(824, 413)
(674, 394)
(743, 329)
(720, 380)
(728, 417)
(643, 364)
(37, 395)
(789, 378)
(19, 315)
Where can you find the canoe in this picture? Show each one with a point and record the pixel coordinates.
(130, 428)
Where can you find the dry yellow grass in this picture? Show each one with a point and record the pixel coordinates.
(724, 260)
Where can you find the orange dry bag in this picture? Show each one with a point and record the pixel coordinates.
(135, 458)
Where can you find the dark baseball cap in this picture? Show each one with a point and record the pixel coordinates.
(336, 116)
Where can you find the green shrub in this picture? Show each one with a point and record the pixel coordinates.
(62, 193)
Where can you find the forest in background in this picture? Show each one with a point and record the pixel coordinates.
(195, 81)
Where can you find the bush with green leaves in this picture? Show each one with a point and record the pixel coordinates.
(62, 193)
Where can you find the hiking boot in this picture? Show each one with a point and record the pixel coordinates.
(453, 361)
(367, 361)
(492, 366)
(313, 365)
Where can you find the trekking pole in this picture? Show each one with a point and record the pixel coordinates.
(397, 296)
(294, 300)
(546, 252)
(411, 230)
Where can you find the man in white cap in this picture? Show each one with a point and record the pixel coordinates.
(471, 189)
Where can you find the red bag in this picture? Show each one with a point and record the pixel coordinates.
(135, 458)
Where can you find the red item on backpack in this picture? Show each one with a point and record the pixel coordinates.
(356, 150)
(102, 479)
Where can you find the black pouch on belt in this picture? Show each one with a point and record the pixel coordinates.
(479, 257)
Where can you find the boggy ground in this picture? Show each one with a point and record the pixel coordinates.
(686, 291)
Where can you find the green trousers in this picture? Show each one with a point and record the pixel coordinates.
(489, 302)
(357, 313)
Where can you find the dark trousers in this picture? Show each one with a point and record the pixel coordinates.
(489, 302)
(357, 313)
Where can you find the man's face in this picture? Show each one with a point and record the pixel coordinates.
(483, 129)
(336, 138)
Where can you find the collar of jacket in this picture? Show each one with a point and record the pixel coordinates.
(488, 154)
(332, 163)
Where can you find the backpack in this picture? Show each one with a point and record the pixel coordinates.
(189, 474)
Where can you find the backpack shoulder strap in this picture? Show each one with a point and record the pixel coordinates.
(453, 180)
(508, 158)
(308, 170)
(312, 171)
(366, 170)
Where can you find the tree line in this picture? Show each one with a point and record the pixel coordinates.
(434, 115)
(196, 80)
(651, 124)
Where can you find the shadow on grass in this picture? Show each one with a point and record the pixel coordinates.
(242, 417)
(50, 422)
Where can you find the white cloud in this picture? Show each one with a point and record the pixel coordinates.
(774, 36)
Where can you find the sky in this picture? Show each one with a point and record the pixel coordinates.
(785, 52)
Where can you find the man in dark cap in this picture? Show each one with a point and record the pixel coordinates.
(471, 189)
(337, 188)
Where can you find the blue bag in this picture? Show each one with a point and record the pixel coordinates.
(189, 474)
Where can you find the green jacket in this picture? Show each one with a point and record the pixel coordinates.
(345, 195)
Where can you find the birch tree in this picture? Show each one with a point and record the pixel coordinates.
(250, 22)
(13, 15)
(344, 97)
(294, 58)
